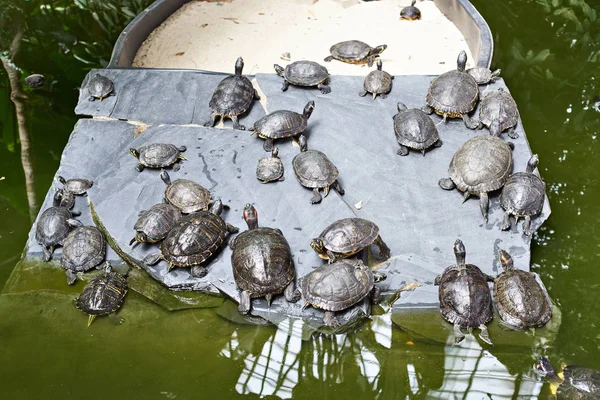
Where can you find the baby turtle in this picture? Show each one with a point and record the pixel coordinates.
(186, 195)
(346, 237)
(454, 94)
(520, 298)
(35, 81)
(315, 171)
(573, 383)
(338, 286)
(100, 87)
(232, 97)
(498, 111)
(270, 169)
(76, 186)
(355, 52)
(262, 263)
(53, 226)
(282, 124)
(193, 240)
(523, 196)
(377, 82)
(411, 12)
(481, 165)
(154, 224)
(83, 249)
(158, 155)
(103, 295)
(483, 75)
(465, 298)
(414, 130)
(304, 73)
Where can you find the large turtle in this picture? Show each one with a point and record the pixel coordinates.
(158, 155)
(498, 111)
(572, 383)
(53, 226)
(232, 97)
(193, 240)
(520, 299)
(454, 94)
(523, 196)
(154, 224)
(282, 124)
(270, 169)
(83, 249)
(483, 75)
(465, 298)
(355, 52)
(415, 130)
(377, 82)
(304, 73)
(262, 263)
(481, 165)
(410, 13)
(315, 171)
(348, 236)
(186, 195)
(338, 286)
(100, 87)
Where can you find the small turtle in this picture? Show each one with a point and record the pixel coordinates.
(83, 249)
(186, 195)
(282, 124)
(481, 165)
(338, 286)
(465, 298)
(411, 12)
(262, 263)
(154, 224)
(315, 171)
(103, 295)
(270, 169)
(454, 94)
(76, 186)
(377, 82)
(498, 111)
(158, 155)
(572, 383)
(193, 240)
(35, 81)
(232, 97)
(348, 236)
(523, 196)
(414, 130)
(355, 52)
(304, 73)
(53, 226)
(521, 300)
(483, 75)
(100, 87)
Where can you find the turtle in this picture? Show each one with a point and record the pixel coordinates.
(465, 298)
(481, 165)
(454, 94)
(355, 52)
(35, 81)
(158, 155)
(154, 224)
(304, 73)
(193, 240)
(348, 236)
(338, 286)
(186, 195)
(262, 263)
(282, 124)
(83, 249)
(315, 171)
(483, 75)
(270, 169)
(100, 87)
(102, 295)
(410, 13)
(498, 111)
(572, 383)
(415, 130)
(519, 296)
(523, 196)
(232, 97)
(76, 186)
(377, 82)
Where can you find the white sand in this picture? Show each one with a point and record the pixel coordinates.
(210, 36)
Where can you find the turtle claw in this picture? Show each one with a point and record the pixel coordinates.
(402, 151)
(330, 320)
(316, 198)
(363, 93)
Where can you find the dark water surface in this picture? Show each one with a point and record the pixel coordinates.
(549, 52)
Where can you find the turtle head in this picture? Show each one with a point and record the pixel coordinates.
(164, 175)
(379, 65)
(251, 216)
(58, 195)
(401, 106)
(505, 259)
(134, 152)
(279, 69)
(378, 50)
(62, 180)
(318, 246)
(532, 163)
(302, 141)
(239, 66)
(308, 109)
(543, 368)
(412, 4)
(495, 129)
(460, 252)
(461, 62)
(379, 277)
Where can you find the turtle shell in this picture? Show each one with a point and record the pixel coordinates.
(52, 227)
(499, 106)
(158, 155)
(35, 81)
(280, 124)
(262, 262)
(83, 249)
(351, 51)
(410, 13)
(453, 93)
(378, 82)
(482, 164)
(187, 195)
(233, 96)
(269, 169)
(337, 286)
(305, 73)
(523, 194)
(77, 186)
(100, 87)
(580, 383)
(314, 170)
(103, 295)
(349, 235)
(156, 222)
(481, 75)
(415, 129)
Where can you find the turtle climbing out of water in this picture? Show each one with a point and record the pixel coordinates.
(304, 73)
(572, 383)
(355, 52)
(100, 87)
(282, 124)
(414, 130)
(483, 75)
(410, 13)
(270, 169)
(377, 82)
(53, 226)
(158, 155)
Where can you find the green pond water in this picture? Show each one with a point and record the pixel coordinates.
(549, 52)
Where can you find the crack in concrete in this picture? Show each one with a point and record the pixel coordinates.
(206, 173)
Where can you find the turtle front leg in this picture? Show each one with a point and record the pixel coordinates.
(439, 143)
(291, 294)
(484, 203)
(459, 336)
(285, 85)
(152, 259)
(505, 222)
(268, 145)
(330, 320)
(326, 191)
(176, 167)
(527, 226)
(511, 133)
(446, 184)
(245, 302)
(363, 93)
(212, 120)
(325, 89)
(338, 188)
(140, 167)
(469, 122)
(384, 250)
(370, 61)
(232, 229)
(484, 334)
(198, 271)
(375, 295)
(236, 123)
(316, 197)
(71, 277)
(402, 151)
